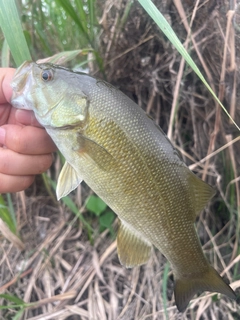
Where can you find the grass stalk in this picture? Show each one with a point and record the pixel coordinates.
(164, 287)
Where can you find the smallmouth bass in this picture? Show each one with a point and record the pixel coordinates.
(111, 144)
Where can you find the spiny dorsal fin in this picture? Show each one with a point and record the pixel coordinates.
(133, 248)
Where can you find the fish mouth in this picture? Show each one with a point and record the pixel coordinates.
(21, 84)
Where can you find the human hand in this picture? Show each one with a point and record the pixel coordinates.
(25, 147)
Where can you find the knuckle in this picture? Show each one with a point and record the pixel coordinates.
(45, 162)
(11, 183)
(4, 161)
(16, 142)
(26, 182)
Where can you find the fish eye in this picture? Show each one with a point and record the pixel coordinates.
(47, 75)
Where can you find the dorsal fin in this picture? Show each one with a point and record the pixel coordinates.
(202, 191)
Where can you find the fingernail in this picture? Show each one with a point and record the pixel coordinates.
(2, 135)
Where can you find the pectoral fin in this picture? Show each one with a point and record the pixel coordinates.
(68, 180)
(89, 148)
(133, 248)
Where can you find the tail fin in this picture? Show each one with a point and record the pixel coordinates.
(186, 288)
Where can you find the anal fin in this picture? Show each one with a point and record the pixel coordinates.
(133, 248)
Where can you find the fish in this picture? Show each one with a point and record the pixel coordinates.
(109, 142)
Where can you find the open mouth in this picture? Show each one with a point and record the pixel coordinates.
(21, 85)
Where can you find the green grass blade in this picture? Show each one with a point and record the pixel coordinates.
(125, 14)
(13, 299)
(18, 315)
(12, 29)
(82, 14)
(11, 211)
(82, 25)
(159, 19)
(92, 16)
(7, 217)
(165, 286)
(42, 40)
(5, 55)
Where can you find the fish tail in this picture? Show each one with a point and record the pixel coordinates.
(186, 288)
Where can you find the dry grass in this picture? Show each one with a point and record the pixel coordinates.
(60, 270)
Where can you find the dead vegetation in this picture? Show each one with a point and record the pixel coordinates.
(60, 270)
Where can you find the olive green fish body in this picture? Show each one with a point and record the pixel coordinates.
(110, 143)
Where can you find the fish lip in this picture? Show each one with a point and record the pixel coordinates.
(20, 85)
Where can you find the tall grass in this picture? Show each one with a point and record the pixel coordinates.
(156, 15)
(48, 27)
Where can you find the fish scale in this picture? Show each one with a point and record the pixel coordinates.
(111, 144)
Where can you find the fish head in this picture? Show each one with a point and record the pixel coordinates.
(51, 92)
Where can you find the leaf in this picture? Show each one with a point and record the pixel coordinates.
(81, 23)
(5, 54)
(6, 216)
(13, 299)
(12, 29)
(106, 219)
(18, 314)
(156, 15)
(96, 205)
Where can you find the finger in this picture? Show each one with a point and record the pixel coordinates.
(14, 183)
(28, 140)
(23, 117)
(26, 117)
(11, 115)
(17, 164)
(6, 75)
(5, 110)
